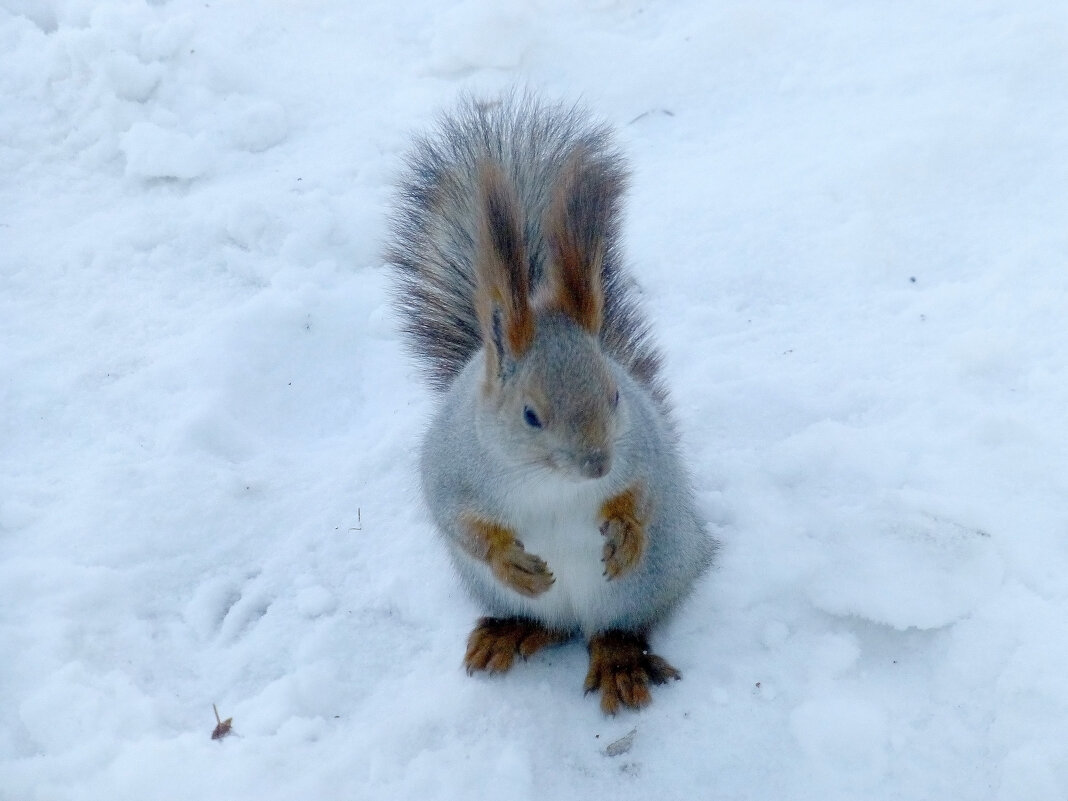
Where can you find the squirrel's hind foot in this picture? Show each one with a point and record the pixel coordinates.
(622, 668)
(495, 641)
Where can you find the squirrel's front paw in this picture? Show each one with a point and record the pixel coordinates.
(524, 572)
(623, 546)
(498, 546)
(624, 533)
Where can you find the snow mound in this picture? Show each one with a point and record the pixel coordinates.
(479, 34)
(918, 571)
(155, 152)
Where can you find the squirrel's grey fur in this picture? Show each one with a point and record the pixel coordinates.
(482, 456)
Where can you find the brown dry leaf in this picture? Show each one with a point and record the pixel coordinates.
(223, 726)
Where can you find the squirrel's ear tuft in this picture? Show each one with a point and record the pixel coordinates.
(577, 227)
(502, 298)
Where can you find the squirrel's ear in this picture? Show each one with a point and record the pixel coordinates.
(577, 227)
(502, 297)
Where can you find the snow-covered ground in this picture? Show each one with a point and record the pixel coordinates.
(850, 221)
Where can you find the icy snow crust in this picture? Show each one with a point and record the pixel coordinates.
(850, 224)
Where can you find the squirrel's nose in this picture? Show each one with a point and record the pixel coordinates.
(596, 463)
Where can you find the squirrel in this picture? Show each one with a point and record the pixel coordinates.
(551, 466)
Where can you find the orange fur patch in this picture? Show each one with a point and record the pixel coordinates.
(576, 227)
(625, 519)
(512, 565)
(486, 537)
(503, 288)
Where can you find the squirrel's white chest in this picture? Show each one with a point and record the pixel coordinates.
(563, 528)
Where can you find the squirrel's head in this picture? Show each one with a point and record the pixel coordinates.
(554, 397)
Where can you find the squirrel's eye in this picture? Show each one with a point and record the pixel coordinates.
(615, 399)
(531, 417)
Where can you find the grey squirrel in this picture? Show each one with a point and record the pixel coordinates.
(551, 466)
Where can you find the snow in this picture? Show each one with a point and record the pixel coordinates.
(154, 152)
(850, 225)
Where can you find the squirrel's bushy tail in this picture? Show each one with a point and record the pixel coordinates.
(435, 228)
